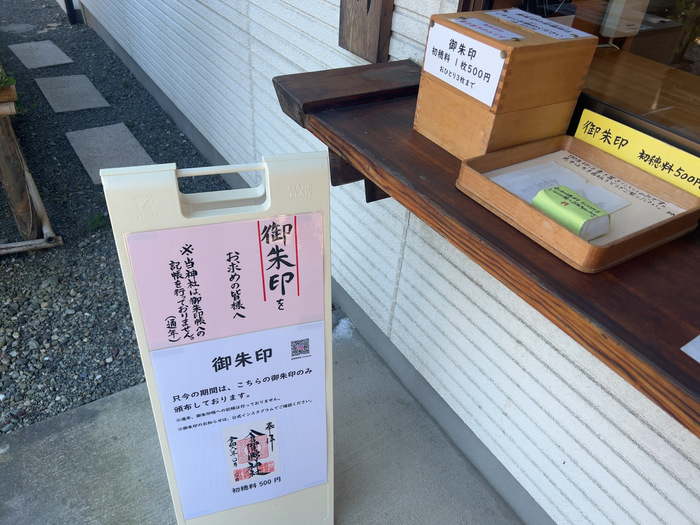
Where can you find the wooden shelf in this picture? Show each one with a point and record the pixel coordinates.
(634, 317)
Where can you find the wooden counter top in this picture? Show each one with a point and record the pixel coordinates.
(634, 317)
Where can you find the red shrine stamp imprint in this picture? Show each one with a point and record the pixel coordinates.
(251, 450)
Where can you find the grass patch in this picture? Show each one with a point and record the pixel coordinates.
(98, 222)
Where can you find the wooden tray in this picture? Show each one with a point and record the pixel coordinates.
(634, 230)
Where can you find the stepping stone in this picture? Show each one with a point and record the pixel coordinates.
(40, 54)
(107, 147)
(17, 28)
(71, 93)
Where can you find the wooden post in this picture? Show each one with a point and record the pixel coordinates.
(8, 93)
(365, 28)
(13, 170)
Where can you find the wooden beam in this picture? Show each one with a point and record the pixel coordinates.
(8, 94)
(373, 192)
(342, 172)
(369, 83)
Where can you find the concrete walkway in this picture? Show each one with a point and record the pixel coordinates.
(101, 464)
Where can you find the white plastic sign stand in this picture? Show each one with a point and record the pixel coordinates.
(231, 301)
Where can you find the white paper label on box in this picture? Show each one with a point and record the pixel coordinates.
(543, 26)
(693, 349)
(245, 416)
(466, 64)
(486, 29)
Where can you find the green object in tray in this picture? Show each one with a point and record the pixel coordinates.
(574, 212)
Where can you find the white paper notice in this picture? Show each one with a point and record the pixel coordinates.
(486, 29)
(464, 63)
(232, 409)
(527, 182)
(543, 26)
(693, 349)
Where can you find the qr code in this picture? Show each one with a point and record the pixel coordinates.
(300, 348)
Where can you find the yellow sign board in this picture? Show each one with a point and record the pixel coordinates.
(634, 147)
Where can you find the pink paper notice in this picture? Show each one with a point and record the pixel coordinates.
(205, 282)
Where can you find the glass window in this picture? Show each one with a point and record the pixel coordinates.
(666, 31)
(648, 60)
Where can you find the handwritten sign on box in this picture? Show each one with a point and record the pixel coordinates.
(464, 63)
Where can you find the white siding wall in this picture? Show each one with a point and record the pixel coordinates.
(585, 444)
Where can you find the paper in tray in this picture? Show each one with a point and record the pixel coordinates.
(657, 211)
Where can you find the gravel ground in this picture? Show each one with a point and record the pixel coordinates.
(66, 336)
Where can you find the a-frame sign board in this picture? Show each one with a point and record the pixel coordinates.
(230, 298)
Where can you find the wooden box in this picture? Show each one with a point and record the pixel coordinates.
(494, 79)
(657, 212)
(8, 94)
